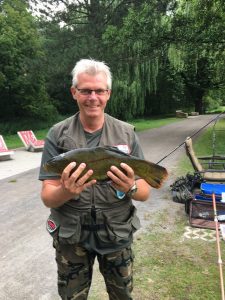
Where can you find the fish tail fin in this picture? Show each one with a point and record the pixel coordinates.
(152, 173)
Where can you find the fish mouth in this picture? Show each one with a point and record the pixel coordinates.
(50, 164)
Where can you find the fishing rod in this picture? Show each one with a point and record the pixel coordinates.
(217, 117)
(220, 263)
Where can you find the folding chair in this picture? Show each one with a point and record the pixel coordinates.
(30, 141)
(210, 168)
(5, 153)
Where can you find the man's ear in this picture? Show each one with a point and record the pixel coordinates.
(73, 92)
(109, 93)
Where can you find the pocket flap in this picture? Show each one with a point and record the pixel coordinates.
(136, 222)
(120, 230)
(123, 230)
(69, 232)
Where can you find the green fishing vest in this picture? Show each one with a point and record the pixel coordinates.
(98, 208)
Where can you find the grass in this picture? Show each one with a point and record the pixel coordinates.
(211, 142)
(167, 265)
(217, 110)
(170, 266)
(144, 124)
(39, 127)
(13, 141)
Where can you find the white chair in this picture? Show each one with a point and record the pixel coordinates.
(5, 153)
(30, 141)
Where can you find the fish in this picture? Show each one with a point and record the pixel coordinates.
(100, 159)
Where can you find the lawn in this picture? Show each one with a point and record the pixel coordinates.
(13, 140)
(212, 141)
(168, 265)
(171, 263)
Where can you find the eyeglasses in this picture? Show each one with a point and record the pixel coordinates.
(99, 92)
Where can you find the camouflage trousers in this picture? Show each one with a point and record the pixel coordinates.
(75, 268)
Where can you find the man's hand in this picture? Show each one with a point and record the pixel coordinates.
(73, 183)
(122, 181)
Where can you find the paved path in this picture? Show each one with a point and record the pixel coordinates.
(28, 270)
(20, 162)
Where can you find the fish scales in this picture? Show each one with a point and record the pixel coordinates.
(100, 159)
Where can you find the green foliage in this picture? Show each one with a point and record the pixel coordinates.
(198, 51)
(164, 55)
(181, 70)
(14, 125)
(137, 40)
(22, 85)
(211, 103)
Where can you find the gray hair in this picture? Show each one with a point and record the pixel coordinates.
(91, 67)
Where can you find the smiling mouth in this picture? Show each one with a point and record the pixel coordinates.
(92, 106)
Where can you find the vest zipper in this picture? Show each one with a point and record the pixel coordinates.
(93, 209)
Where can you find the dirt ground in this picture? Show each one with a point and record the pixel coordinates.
(26, 257)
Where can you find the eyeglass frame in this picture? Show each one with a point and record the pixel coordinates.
(89, 91)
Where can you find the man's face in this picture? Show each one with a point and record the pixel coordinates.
(91, 94)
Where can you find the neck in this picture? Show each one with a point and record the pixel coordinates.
(92, 124)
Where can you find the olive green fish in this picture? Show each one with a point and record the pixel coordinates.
(100, 159)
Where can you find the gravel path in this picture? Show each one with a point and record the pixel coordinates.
(26, 257)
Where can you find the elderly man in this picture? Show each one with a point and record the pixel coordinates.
(92, 219)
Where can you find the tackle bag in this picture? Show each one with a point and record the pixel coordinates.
(201, 211)
(182, 188)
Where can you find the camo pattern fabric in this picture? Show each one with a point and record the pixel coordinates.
(75, 267)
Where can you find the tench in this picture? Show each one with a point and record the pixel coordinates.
(100, 159)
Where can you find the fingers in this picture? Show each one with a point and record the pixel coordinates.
(74, 178)
(67, 171)
(121, 175)
(122, 181)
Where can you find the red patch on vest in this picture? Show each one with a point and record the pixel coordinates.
(51, 226)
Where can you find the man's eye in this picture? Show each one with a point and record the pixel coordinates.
(85, 92)
(99, 91)
(89, 92)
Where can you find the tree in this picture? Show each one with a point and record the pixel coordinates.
(136, 50)
(22, 84)
(164, 54)
(198, 28)
(74, 33)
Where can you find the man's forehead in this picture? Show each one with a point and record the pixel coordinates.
(86, 75)
(92, 78)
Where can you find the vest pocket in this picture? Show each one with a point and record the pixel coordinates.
(69, 232)
(119, 231)
(66, 230)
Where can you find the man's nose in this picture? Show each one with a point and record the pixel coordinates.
(93, 94)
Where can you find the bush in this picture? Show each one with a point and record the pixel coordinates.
(8, 128)
(211, 103)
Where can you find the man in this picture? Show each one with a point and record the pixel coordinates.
(91, 219)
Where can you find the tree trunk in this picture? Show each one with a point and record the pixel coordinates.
(199, 105)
